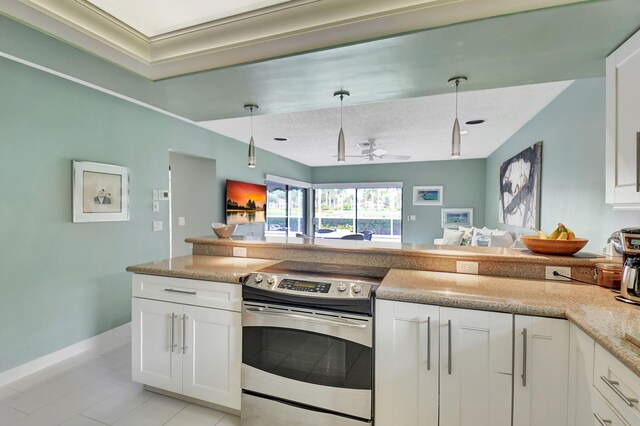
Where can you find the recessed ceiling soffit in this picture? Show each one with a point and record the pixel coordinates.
(273, 29)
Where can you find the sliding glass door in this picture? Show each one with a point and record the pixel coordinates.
(374, 212)
(286, 209)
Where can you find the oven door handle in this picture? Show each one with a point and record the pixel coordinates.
(312, 318)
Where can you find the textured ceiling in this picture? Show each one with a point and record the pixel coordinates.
(420, 127)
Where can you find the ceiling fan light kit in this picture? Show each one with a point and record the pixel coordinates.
(341, 143)
(252, 145)
(455, 136)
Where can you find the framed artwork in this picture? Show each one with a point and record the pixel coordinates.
(100, 192)
(520, 188)
(452, 218)
(428, 195)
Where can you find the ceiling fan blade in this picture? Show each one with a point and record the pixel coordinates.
(396, 157)
(354, 156)
(379, 152)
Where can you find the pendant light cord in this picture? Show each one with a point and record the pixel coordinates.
(457, 84)
(341, 97)
(251, 109)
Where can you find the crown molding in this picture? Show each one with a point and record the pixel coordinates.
(284, 29)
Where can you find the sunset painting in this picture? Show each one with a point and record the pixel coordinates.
(246, 203)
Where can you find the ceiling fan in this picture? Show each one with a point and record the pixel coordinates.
(371, 151)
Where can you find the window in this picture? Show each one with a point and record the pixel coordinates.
(286, 209)
(368, 209)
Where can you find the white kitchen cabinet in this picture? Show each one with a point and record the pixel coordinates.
(581, 364)
(185, 349)
(475, 367)
(212, 357)
(406, 389)
(413, 344)
(157, 360)
(623, 126)
(541, 356)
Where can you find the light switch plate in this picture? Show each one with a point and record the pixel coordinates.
(181, 221)
(164, 194)
(463, 267)
(156, 206)
(240, 251)
(157, 225)
(411, 217)
(155, 194)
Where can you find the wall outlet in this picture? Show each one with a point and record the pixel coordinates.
(181, 221)
(156, 206)
(564, 270)
(463, 267)
(157, 225)
(240, 251)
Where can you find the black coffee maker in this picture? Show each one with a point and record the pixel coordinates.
(630, 286)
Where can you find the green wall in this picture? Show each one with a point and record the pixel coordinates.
(572, 128)
(61, 282)
(463, 181)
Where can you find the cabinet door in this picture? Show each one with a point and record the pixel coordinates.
(157, 360)
(541, 371)
(475, 368)
(211, 347)
(581, 353)
(406, 364)
(623, 126)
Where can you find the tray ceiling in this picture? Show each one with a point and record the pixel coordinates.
(160, 39)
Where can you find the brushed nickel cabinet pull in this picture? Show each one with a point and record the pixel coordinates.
(638, 162)
(449, 345)
(184, 333)
(172, 290)
(524, 357)
(614, 387)
(602, 421)
(428, 343)
(173, 331)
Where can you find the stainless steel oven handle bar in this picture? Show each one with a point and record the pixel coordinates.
(305, 317)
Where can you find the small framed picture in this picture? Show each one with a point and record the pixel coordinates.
(428, 195)
(452, 218)
(100, 192)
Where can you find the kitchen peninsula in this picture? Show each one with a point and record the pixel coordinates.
(567, 323)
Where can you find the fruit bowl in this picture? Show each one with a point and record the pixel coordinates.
(554, 247)
(223, 230)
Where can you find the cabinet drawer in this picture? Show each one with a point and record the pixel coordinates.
(603, 414)
(208, 294)
(619, 385)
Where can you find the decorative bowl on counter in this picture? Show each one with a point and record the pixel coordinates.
(223, 230)
(554, 247)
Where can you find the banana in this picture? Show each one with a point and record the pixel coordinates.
(556, 232)
(570, 234)
(563, 235)
(541, 234)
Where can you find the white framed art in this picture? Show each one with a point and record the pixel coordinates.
(453, 218)
(428, 195)
(100, 192)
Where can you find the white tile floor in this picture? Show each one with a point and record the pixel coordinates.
(94, 389)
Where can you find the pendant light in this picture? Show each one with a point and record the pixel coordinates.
(341, 144)
(252, 144)
(455, 137)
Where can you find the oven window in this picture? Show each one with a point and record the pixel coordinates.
(307, 357)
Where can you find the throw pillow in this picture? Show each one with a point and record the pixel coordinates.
(467, 236)
(452, 237)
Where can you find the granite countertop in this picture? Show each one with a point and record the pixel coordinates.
(208, 268)
(593, 309)
(467, 253)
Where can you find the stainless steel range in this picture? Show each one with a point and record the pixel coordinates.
(307, 354)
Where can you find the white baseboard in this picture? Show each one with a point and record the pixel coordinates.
(99, 344)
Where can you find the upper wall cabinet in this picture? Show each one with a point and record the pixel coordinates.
(623, 126)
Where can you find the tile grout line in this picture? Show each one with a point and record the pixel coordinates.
(183, 408)
(89, 418)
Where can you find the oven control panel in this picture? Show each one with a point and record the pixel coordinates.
(299, 285)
